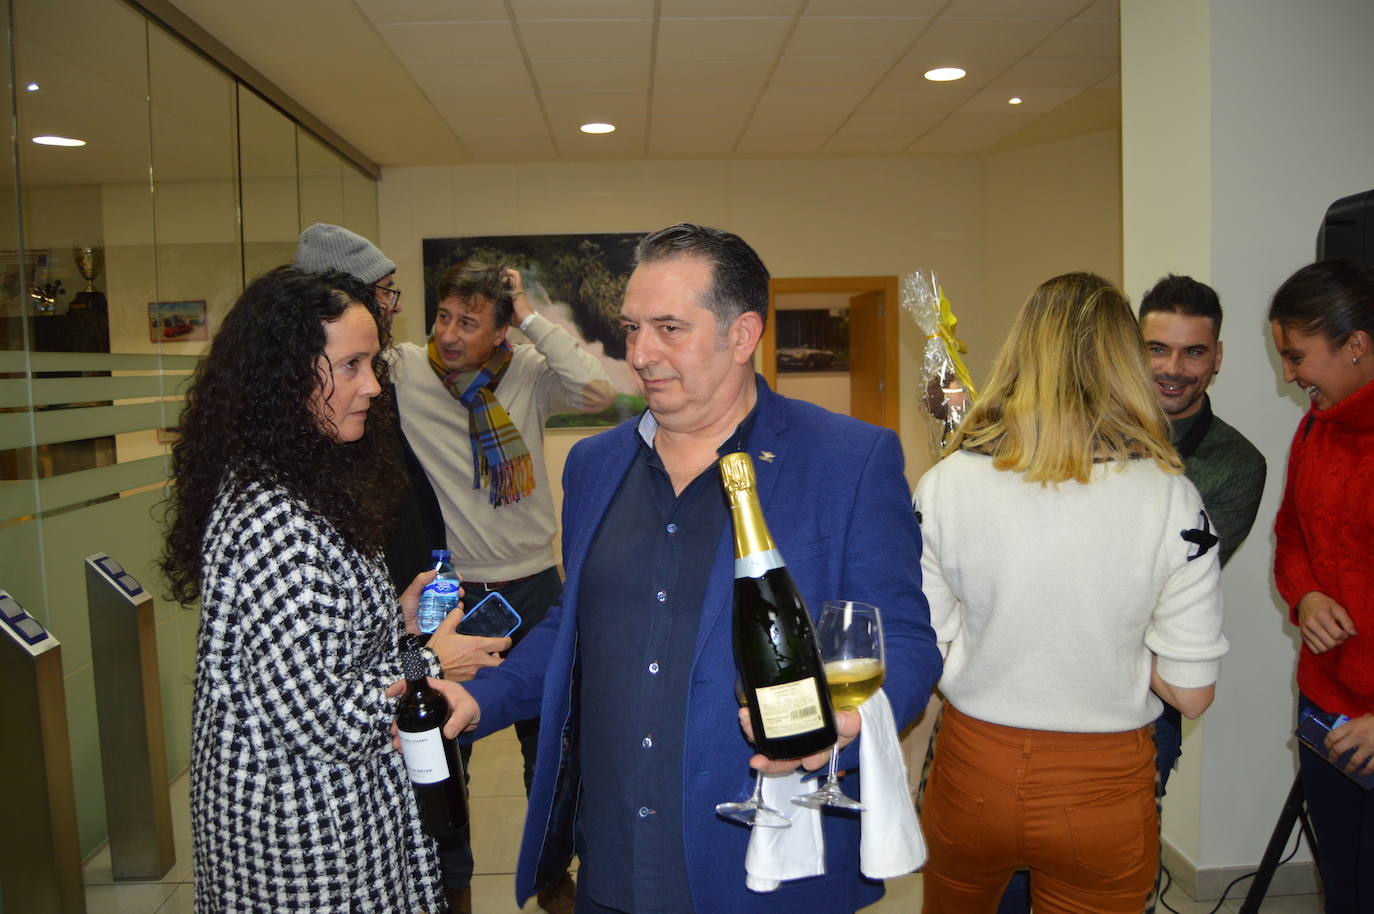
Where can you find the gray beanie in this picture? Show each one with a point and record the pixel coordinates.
(332, 247)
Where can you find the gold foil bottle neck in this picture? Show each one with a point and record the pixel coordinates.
(737, 472)
(751, 531)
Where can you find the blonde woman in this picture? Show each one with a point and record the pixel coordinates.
(1072, 575)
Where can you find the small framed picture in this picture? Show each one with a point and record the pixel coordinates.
(177, 321)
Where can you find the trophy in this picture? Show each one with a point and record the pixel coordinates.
(90, 261)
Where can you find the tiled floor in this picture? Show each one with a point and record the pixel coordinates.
(498, 806)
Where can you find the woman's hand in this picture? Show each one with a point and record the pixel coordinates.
(410, 600)
(1324, 623)
(1357, 734)
(463, 655)
(847, 725)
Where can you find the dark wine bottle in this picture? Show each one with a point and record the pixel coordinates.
(432, 761)
(775, 644)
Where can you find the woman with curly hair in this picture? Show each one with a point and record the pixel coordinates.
(283, 492)
(1073, 582)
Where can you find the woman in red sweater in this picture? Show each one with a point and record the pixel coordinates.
(1322, 318)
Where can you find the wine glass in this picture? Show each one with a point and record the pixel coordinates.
(850, 638)
(752, 811)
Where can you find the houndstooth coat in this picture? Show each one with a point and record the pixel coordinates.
(298, 801)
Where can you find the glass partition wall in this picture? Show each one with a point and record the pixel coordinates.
(118, 258)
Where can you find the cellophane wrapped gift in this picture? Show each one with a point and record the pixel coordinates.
(948, 391)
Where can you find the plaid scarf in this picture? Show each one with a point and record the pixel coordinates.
(499, 454)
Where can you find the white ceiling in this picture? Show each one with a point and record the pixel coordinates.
(455, 81)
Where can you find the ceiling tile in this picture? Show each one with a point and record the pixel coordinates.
(717, 9)
(619, 145)
(489, 128)
(718, 73)
(471, 76)
(1084, 38)
(569, 110)
(383, 11)
(847, 143)
(930, 98)
(908, 125)
(458, 104)
(777, 139)
(729, 106)
(982, 37)
(809, 105)
(591, 75)
(910, 71)
(991, 125)
(855, 9)
(526, 10)
(426, 42)
(504, 149)
(706, 38)
(596, 40)
(1014, 9)
(669, 144)
(854, 37)
(1058, 72)
(1033, 101)
(1102, 9)
(930, 145)
(829, 72)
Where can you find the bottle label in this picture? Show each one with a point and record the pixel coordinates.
(790, 708)
(757, 564)
(442, 586)
(424, 756)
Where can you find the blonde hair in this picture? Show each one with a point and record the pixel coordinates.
(1070, 387)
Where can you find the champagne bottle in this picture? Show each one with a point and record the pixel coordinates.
(775, 644)
(432, 761)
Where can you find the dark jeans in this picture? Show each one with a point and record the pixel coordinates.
(1342, 815)
(531, 598)
(1168, 747)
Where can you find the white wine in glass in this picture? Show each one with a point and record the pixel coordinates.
(850, 637)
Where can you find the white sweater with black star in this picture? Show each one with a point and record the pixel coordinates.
(1049, 600)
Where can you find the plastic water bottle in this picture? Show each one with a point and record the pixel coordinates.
(440, 596)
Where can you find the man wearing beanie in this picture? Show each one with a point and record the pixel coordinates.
(332, 247)
(419, 523)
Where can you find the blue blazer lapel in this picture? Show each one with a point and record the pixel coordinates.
(768, 448)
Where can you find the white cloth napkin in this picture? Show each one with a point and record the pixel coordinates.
(890, 842)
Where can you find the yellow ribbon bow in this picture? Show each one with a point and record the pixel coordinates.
(953, 345)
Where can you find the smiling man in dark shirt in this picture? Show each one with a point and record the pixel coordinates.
(633, 672)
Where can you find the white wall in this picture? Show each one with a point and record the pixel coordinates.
(807, 218)
(1048, 209)
(1276, 104)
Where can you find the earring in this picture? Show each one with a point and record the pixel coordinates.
(1355, 361)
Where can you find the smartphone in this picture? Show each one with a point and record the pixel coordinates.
(1313, 726)
(493, 617)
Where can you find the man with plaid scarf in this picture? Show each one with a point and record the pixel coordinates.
(473, 407)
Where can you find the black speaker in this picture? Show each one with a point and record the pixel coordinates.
(1348, 229)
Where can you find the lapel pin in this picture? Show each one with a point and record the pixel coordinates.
(767, 456)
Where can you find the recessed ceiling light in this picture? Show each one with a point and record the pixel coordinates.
(945, 74)
(58, 141)
(597, 128)
(1014, 101)
(32, 87)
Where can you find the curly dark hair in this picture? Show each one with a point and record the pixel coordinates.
(248, 419)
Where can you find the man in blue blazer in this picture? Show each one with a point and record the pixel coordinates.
(633, 673)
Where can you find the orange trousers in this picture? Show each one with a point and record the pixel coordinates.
(1078, 809)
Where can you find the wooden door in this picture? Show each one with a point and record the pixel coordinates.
(867, 366)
